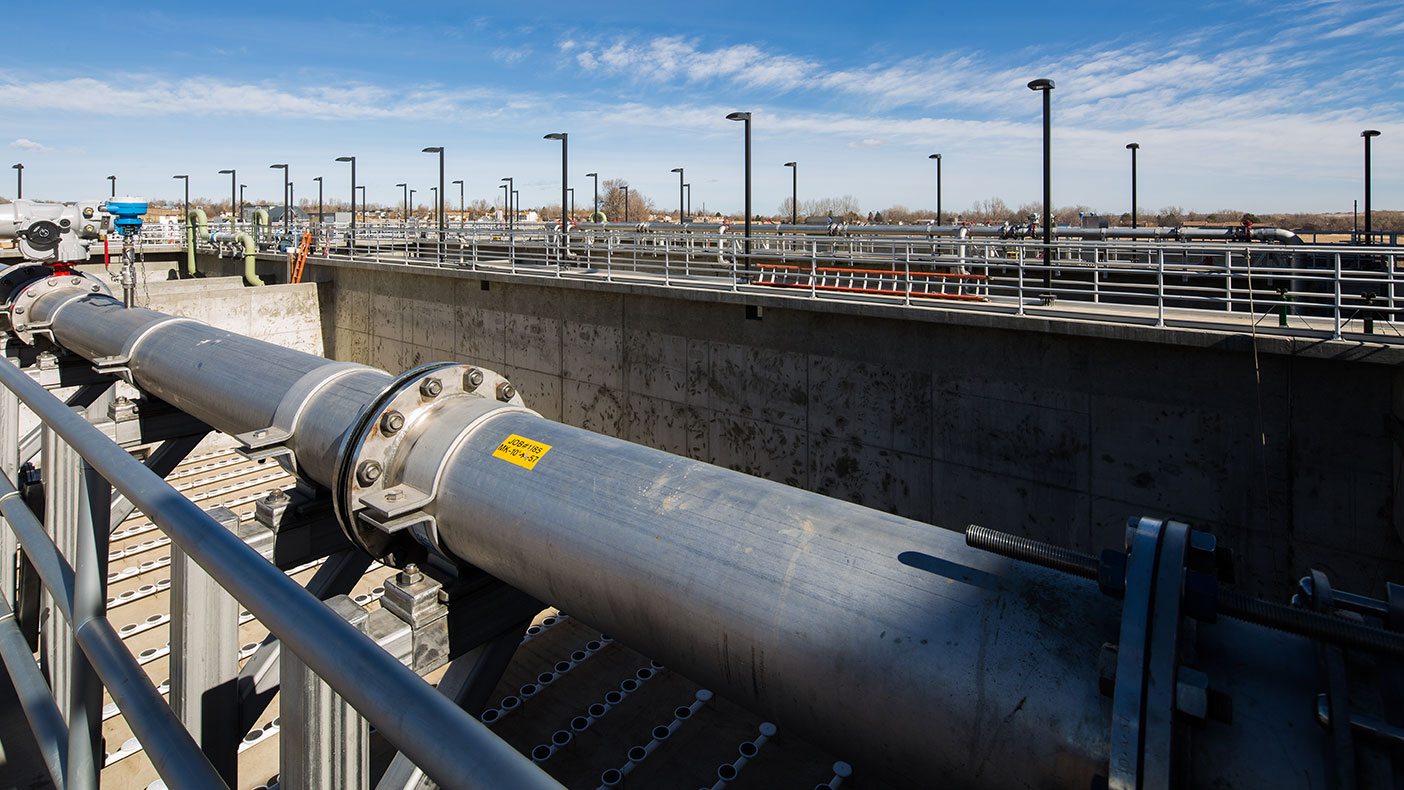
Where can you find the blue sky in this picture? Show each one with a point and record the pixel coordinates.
(1250, 105)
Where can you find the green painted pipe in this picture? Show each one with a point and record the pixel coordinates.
(250, 254)
(196, 218)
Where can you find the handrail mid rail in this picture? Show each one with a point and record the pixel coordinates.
(449, 745)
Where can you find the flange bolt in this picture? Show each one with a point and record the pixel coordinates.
(431, 387)
(368, 472)
(472, 379)
(505, 392)
(392, 422)
(410, 575)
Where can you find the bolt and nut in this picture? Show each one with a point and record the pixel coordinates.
(368, 472)
(410, 575)
(431, 387)
(392, 421)
(472, 379)
(505, 392)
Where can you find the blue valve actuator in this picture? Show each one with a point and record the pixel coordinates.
(127, 213)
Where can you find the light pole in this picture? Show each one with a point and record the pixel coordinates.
(292, 196)
(1368, 134)
(564, 137)
(507, 204)
(687, 190)
(794, 192)
(435, 190)
(745, 116)
(284, 168)
(1133, 148)
(19, 179)
(681, 215)
(625, 189)
(596, 211)
(242, 187)
(462, 207)
(409, 202)
(405, 215)
(516, 201)
(186, 216)
(1046, 85)
(439, 194)
(937, 157)
(233, 204)
(318, 179)
(571, 190)
(364, 218)
(113, 179)
(352, 160)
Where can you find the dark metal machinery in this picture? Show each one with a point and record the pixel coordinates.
(915, 652)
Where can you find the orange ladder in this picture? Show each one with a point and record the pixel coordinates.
(300, 257)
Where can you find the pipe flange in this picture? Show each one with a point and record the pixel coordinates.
(23, 284)
(377, 509)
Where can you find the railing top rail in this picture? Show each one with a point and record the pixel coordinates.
(442, 739)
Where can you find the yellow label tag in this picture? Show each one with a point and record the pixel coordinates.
(521, 451)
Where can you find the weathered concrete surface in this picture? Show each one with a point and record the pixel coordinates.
(1059, 430)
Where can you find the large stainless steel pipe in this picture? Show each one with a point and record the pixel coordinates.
(888, 640)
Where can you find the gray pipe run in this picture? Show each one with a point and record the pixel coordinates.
(887, 640)
(1005, 231)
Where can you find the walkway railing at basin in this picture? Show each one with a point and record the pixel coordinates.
(1306, 290)
(81, 467)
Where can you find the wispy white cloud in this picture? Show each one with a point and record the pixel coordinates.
(866, 142)
(26, 144)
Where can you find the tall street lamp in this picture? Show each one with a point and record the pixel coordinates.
(625, 189)
(233, 204)
(462, 207)
(937, 157)
(410, 204)
(439, 194)
(364, 218)
(186, 216)
(507, 203)
(1046, 85)
(564, 137)
(352, 160)
(318, 179)
(596, 211)
(19, 179)
(794, 192)
(745, 116)
(242, 187)
(681, 215)
(1368, 134)
(284, 168)
(113, 179)
(1133, 148)
(516, 201)
(405, 215)
(687, 189)
(571, 191)
(292, 196)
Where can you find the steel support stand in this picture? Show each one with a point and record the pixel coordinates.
(205, 657)
(326, 743)
(469, 682)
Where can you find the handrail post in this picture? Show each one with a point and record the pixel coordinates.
(93, 498)
(62, 471)
(1336, 301)
(1160, 288)
(9, 465)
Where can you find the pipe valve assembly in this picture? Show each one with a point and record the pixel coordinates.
(964, 659)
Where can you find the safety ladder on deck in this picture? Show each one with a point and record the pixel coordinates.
(300, 257)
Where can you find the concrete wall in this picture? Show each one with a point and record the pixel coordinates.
(1057, 430)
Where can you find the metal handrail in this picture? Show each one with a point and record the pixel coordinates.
(448, 744)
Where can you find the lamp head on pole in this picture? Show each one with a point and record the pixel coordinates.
(180, 177)
(272, 167)
(458, 182)
(226, 172)
(1042, 84)
(17, 166)
(346, 159)
(1370, 133)
(555, 136)
(676, 170)
(1133, 146)
(433, 149)
(937, 157)
(791, 164)
(738, 116)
